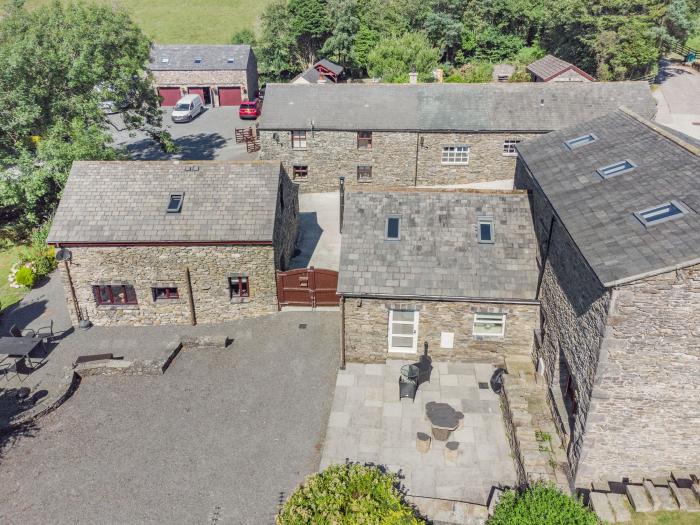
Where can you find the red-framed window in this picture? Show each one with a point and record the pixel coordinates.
(300, 172)
(114, 294)
(239, 286)
(364, 140)
(160, 294)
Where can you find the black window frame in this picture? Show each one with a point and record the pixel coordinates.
(297, 169)
(398, 228)
(178, 198)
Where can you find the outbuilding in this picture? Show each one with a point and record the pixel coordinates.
(553, 69)
(223, 75)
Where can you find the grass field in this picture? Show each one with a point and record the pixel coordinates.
(8, 295)
(666, 518)
(694, 41)
(187, 21)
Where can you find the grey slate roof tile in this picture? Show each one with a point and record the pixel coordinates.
(525, 106)
(214, 57)
(548, 66)
(125, 201)
(432, 260)
(598, 213)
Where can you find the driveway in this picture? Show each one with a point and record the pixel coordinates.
(223, 437)
(210, 136)
(677, 98)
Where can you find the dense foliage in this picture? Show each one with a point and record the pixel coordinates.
(349, 494)
(541, 504)
(611, 39)
(60, 67)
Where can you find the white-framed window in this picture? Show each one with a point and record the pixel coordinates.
(403, 331)
(580, 141)
(489, 324)
(509, 147)
(485, 230)
(299, 139)
(458, 154)
(661, 213)
(392, 231)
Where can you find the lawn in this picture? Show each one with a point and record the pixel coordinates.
(8, 296)
(188, 22)
(694, 40)
(666, 518)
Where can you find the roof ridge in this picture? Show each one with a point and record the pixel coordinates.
(478, 191)
(664, 133)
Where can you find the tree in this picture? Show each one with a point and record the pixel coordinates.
(310, 26)
(276, 45)
(58, 65)
(394, 58)
(443, 25)
(243, 36)
(339, 46)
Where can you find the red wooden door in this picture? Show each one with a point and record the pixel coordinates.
(170, 95)
(230, 96)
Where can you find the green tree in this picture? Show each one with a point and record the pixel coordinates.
(59, 64)
(275, 49)
(443, 25)
(339, 46)
(310, 26)
(243, 36)
(394, 58)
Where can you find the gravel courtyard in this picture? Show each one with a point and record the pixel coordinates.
(222, 437)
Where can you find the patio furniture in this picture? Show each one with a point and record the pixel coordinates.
(451, 451)
(460, 419)
(45, 333)
(408, 381)
(422, 442)
(18, 348)
(443, 419)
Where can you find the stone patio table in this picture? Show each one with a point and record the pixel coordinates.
(443, 419)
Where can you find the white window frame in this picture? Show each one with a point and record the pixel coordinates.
(509, 147)
(484, 317)
(649, 220)
(403, 349)
(489, 221)
(618, 168)
(579, 142)
(299, 139)
(456, 155)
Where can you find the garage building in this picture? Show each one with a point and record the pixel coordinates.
(223, 75)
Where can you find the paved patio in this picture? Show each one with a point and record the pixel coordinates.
(368, 423)
(318, 241)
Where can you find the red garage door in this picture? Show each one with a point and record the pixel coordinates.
(170, 95)
(230, 96)
(197, 91)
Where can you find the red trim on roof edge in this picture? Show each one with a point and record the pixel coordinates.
(159, 243)
(578, 70)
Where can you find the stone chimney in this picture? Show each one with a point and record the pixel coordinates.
(413, 76)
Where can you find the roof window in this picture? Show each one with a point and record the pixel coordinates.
(393, 228)
(165, 60)
(485, 230)
(229, 60)
(661, 213)
(198, 60)
(175, 202)
(616, 169)
(580, 141)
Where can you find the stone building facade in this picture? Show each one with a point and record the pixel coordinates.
(367, 321)
(395, 158)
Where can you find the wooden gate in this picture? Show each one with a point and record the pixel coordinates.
(307, 287)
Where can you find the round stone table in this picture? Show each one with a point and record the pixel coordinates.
(443, 418)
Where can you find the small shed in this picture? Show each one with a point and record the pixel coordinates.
(553, 69)
(321, 72)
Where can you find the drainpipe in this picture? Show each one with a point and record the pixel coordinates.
(341, 190)
(342, 332)
(76, 306)
(415, 173)
(190, 297)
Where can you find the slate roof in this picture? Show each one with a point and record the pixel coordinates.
(551, 66)
(214, 57)
(598, 214)
(438, 255)
(331, 66)
(126, 201)
(522, 106)
(312, 75)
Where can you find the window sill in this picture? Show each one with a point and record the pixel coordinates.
(392, 351)
(298, 149)
(454, 163)
(300, 180)
(107, 307)
(365, 181)
(488, 337)
(169, 301)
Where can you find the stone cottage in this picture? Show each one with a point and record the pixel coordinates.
(173, 242)
(223, 75)
(388, 135)
(553, 69)
(615, 204)
(451, 270)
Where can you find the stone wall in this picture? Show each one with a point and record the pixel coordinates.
(144, 267)
(645, 411)
(286, 222)
(213, 79)
(397, 158)
(367, 321)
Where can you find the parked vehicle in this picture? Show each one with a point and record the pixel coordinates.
(187, 108)
(250, 109)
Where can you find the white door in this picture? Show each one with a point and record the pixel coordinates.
(403, 331)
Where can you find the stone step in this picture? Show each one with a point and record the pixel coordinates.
(687, 501)
(661, 497)
(638, 498)
(618, 502)
(601, 506)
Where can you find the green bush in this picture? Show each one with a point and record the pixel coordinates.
(473, 73)
(348, 494)
(38, 253)
(541, 504)
(25, 276)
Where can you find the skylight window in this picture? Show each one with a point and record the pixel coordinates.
(485, 230)
(198, 60)
(175, 202)
(393, 228)
(580, 141)
(165, 60)
(661, 213)
(229, 60)
(616, 169)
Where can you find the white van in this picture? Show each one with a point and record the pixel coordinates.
(187, 108)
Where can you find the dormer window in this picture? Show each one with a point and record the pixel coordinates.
(485, 230)
(616, 169)
(661, 213)
(580, 141)
(175, 202)
(393, 228)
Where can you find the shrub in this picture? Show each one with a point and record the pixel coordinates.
(348, 494)
(25, 276)
(541, 504)
(475, 72)
(38, 253)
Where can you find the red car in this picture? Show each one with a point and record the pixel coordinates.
(250, 109)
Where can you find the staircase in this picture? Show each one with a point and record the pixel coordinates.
(613, 501)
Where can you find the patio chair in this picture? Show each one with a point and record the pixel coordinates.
(45, 333)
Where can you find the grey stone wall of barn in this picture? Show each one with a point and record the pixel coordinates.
(212, 79)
